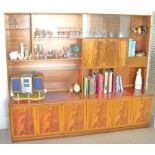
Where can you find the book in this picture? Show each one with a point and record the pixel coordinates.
(106, 82)
(91, 84)
(121, 83)
(117, 84)
(110, 75)
(114, 83)
(133, 48)
(85, 83)
(94, 77)
(99, 84)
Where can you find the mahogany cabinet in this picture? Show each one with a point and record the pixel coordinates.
(49, 119)
(97, 115)
(119, 112)
(23, 121)
(141, 110)
(74, 117)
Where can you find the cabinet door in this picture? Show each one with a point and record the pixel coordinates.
(97, 115)
(23, 121)
(49, 119)
(74, 117)
(93, 53)
(100, 53)
(141, 109)
(119, 112)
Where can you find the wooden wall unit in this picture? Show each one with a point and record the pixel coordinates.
(103, 41)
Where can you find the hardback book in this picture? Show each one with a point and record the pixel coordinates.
(88, 86)
(99, 84)
(117, 84)
(121, 83)
(106, 82)
(85, 83)
(114, 83)
(91, 84)
(110, 81)
(95, 77)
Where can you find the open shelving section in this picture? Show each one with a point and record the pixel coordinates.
(102, 41)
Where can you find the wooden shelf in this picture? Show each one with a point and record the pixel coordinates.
(65, 97)
(137, 61)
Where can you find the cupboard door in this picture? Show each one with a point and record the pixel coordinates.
(93, 53)
(49, 119)
(23, 121)
(119, 112)
(97, 115)
(100, 53)
(141, 109)
(74, 116)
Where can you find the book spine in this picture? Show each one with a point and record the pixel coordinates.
(99, 83)
(85, 85)
(121, 83)
(133, 48)
(94, 76)
(91, 85)
(106, 82)
(117, 84)
(130, 48)
(110, 82)
(114, 83)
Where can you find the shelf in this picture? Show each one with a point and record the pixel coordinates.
(49, 39)
(65, 97)
(18, 29)
(137, 61)
(47, 64)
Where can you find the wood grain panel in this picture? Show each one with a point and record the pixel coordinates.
(119, 112)
(74, 117)
(23, 121)
(14, 37)
(17, 21)
(49, 119)
(100, 53)
(97, 115)
(140, 110)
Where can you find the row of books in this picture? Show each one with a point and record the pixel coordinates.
(99, 83)
(132, 48)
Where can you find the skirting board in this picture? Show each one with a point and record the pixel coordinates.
(4, 123)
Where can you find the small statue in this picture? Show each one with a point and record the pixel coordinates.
(22, 51)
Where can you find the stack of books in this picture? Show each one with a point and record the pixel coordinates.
(102, 83)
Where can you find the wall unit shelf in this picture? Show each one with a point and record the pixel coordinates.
(102, 42)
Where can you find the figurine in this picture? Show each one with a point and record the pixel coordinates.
(13, 55)
(22, 51)
(71, 90)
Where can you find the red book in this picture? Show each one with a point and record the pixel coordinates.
(99, 84)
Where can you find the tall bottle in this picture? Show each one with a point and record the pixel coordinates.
(138, 81)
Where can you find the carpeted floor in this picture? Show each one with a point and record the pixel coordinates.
(141, 136)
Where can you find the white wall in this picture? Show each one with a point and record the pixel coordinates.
(57, 6)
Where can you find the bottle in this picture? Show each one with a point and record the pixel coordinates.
(138, 81)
